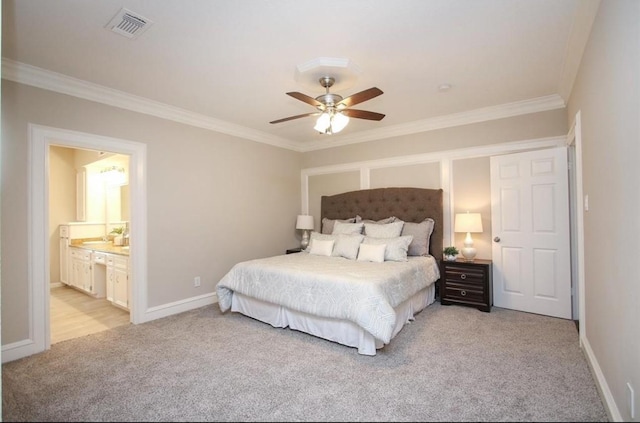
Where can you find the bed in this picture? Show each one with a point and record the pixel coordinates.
(336, 295)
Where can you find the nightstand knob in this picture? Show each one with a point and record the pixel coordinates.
(463, 293)
(463, 276)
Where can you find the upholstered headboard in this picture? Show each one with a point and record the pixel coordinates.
(407, 204)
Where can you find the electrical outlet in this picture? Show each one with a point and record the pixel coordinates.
(631, 400)
(196, 281)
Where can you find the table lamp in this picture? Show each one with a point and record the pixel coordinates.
(304, 222)
(468, 222)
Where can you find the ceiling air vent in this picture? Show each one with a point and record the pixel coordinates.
(129, 24)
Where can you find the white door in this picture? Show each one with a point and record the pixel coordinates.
(530, 224)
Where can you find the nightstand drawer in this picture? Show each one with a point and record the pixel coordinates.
(462, 292)
(465, 274)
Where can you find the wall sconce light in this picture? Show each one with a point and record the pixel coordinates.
(114, 175)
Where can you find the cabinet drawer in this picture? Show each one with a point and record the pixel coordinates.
(465, 274)
(100, 258)
(460, 292)
(80, 253)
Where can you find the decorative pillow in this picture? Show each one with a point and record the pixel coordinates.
(371, 252)
(390, 219)
(347, 245)
(327, 224)
(421, 233)
(396, 249)
(347, 228)
(384, 230)
(318, 236)
(322, 247)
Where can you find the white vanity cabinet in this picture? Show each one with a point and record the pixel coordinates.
(118, 280)
(80, 269)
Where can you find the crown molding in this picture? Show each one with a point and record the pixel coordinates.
(535, 105)
(53, 81)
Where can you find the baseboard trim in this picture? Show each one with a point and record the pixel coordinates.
(17, 350)
(181, 306)
(601, 383)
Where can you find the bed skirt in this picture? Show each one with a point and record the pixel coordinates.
(343, 332)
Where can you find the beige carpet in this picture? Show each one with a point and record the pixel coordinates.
(451, 364)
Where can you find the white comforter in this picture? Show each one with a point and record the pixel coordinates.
(362, 292)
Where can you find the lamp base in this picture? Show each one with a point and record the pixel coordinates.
(305, 239)
(469, 253)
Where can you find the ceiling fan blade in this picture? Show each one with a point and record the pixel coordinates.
(362, 114)
(295, 117)
(306, 99)
(360, 97)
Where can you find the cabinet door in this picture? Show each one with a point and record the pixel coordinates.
(110, 278)
(87, 283)
(120, 287)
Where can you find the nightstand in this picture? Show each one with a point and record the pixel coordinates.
(294, 250)
(467, 283)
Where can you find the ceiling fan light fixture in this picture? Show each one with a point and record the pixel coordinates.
(339, 122)
(331, 122)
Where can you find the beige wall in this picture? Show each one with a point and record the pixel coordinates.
(213, 200)
(423, 175)
(607, 94)
(472, 193)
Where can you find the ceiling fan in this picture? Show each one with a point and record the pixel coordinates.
(334, 110)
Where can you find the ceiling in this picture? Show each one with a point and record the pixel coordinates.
(227, 64)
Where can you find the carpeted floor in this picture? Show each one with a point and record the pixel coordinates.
(451, 364)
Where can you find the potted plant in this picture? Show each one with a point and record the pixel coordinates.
(117, 239)
(450, 253)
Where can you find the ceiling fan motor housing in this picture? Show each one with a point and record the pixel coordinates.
(329, 99)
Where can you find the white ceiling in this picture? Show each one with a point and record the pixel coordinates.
(229, 63)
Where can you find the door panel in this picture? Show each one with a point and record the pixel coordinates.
(530, 223)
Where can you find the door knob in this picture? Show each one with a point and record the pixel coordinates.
(496, 239)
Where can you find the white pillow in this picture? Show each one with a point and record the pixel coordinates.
(347, 245)
(322, 247)
(386, 230)
(371, 252)
(347, 228)
(317, 235)
(396, 247)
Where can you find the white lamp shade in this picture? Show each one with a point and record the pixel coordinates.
(468, 222)
(304, 222)
(331, 122)
(338, 122)
(323, 123)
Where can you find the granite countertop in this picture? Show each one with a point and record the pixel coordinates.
(102, 246)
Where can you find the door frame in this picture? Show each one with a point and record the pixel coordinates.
(574, 140)
(40, 139)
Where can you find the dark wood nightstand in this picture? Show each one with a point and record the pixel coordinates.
(467, 283)
(294, 250)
